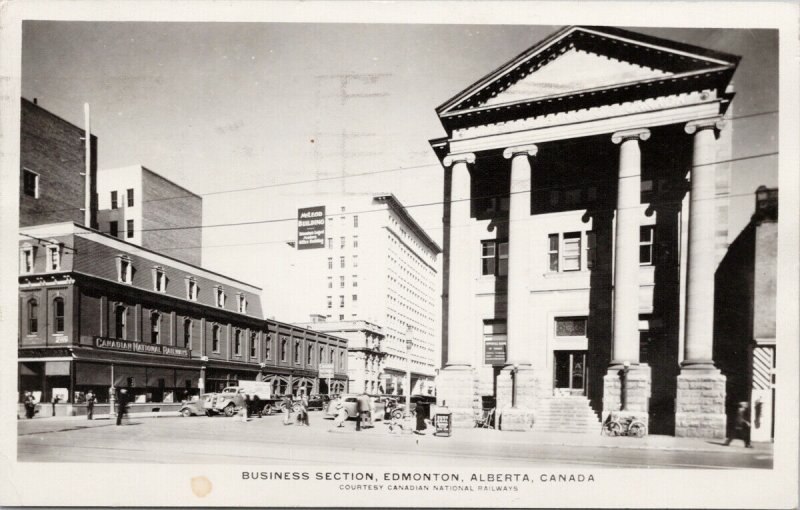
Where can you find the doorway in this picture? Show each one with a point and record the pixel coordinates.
(569, 373)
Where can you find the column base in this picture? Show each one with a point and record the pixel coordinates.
(455, 388)
(700, 402)
(637, 392)
(516, 418)
(519, 417)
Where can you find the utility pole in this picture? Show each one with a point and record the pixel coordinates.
(409, 344)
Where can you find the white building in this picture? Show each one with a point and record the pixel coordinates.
(373, 263)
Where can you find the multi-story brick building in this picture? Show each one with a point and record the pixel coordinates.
(53, 175)
(97, 312)
(587, 184)
(147, 209)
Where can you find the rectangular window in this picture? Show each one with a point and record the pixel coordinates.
(241, 303)
(552, 239)
(330, 243)
(355, 261)
(268, 347)
(571, 326)
(355, 241)
(237, 343)
(125, 270)
(309, 353)
(355, 280)
(342, 242)
(220, 297)
(58, 311)
(160, 281)
(53, 258)
(283, 349)
(129, 229)
(341, 316)
(113, 228)
(646, 238)
(192, 290)
(494, 258)
(341, 282)
(187, 333)
(341, 301)
(355, 297)
(341, 262)
(114, 203)
(330, 282)
(30, 183)
(571, 260)
(591, 250)
(33, 317)
(130, 197)
(27, 260)
(297, 352)
(330, 262)
(215, 338)
(330, 301)
(355, 221)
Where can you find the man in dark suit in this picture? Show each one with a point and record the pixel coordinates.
(362, 408)
(122, 405)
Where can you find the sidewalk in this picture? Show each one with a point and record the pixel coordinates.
(653, 442)
(105, 416)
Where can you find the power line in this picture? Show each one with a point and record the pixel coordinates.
(363, 174)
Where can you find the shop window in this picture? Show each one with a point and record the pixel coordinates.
(120, 320)
(253, 344)
(129, 229)
(33, 317)
(283, 349)
(187, 332)
(571, 326)
(155, 327)
(215, 338)
(237, 342)
(646, 238)
(130, 197)
(494, 258)
(58, 314)
(113, 228)
(30, 183)
(114, 203)
(54, 256)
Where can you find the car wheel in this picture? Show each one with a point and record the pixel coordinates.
(397, 414)
(637, 429)
(209, 413)
(186, 413)
(296, 407)
(230, 410)
(267, 410)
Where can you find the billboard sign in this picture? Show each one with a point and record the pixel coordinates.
(311, 228)
(495, 351)
(326, 370)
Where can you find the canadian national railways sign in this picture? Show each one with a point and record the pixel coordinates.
(311, 228)
(139, 347)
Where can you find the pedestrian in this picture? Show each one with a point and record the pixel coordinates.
(304, 410)
(371, 412)
(287, 410)
(741, 425)
(89, 405)
(122, 405)
(362, 408)
(30, 405)
(55, 400)
(341, 415)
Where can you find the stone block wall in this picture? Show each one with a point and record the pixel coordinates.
(700, 404)
(637, 394)
(455, 389)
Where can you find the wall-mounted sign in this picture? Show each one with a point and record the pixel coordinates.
(311, 228)
(495, 351)
(122, 345)
(326, 370)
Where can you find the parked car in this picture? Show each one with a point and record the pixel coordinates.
(350, 402)
(396, 404)
(318, 401)
(194, 407)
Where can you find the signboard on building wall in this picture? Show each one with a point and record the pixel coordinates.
(139, 347)
(326, 370)
(311, 228)
(495, 351)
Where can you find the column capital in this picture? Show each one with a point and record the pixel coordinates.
(715, 123)
(464, 157)
(527, 150)
(631, 134)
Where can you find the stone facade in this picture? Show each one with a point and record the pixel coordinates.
(701, 404)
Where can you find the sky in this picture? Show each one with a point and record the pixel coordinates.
(218, 107)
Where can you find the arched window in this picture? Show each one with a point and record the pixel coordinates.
(297, 351)
(330, 358)
(120, 319)
(237, 342)
(283, 349)
(253, 344)
(187, 332)
(58, 314)
(321, 358)
(309, 354)
(33, 317)
(155, 327)
(215, 338)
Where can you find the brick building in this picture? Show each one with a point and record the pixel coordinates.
(147, 209)
(52, 184)
(98, 312)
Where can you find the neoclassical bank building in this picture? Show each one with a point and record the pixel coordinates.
(585, 197)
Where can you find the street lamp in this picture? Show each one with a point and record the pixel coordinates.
(514, 369)
(409, 344)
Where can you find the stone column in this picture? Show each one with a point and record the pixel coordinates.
(518, 374)
(625, 373)
(455, 384)
(700, 402)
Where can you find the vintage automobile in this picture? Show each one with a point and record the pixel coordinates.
(194, 407)
(318, 401)
(396, 404)
(350, 402)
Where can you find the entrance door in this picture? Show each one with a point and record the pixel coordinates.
(570, 373)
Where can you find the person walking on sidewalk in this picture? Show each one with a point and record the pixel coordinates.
(122, 405)
(287, 410)
(30, 405)
(362, 407)
(741, 425)
(341, 415)
(90, 405)
(304, 411)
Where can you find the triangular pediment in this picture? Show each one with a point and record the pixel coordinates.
(582, 59)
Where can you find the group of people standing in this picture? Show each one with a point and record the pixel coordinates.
(301, 417)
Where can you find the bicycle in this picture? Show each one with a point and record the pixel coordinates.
(616, 425)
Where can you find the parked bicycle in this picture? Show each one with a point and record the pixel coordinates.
(616, 425)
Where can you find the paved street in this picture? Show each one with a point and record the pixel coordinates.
(268, 441)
